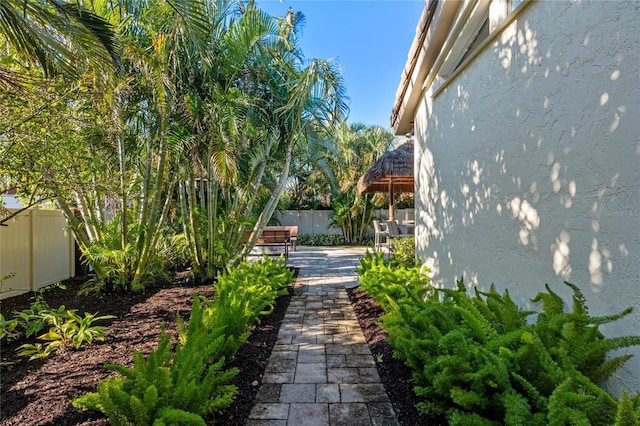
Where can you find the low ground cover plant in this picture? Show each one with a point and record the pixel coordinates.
(480, 360)
(325, 240)
(183, 385)
(64, 328)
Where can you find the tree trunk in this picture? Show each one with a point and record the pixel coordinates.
(271, 205)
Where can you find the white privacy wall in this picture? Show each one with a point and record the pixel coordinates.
(528, 164)
(36, 250)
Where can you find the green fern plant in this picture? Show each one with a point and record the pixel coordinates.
(576, 333)
(162, 390)
(182, 389)
(242, 295)
(382, 280)
(479, 361)
(628, 413)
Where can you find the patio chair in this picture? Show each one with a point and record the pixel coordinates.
(394, 230)
(380, 234)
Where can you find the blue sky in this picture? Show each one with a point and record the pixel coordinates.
(370, 39)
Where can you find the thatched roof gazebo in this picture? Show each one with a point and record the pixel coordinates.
(392, 173)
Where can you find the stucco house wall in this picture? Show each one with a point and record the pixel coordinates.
(528, 162)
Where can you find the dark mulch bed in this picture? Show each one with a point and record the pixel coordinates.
(40, 392)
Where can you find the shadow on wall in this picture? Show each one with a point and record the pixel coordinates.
(529, 173)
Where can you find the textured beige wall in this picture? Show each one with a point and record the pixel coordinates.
(528, 164)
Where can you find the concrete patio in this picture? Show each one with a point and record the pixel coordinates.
(321, 371)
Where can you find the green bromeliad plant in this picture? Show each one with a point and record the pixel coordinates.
(479, 360)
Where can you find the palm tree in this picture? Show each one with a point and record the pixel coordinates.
(353, 149)
(200, 117)
(54, 34)
(305, 93)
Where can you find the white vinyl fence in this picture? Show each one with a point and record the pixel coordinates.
(37, 249)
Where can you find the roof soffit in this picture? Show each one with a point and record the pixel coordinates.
(432, 31)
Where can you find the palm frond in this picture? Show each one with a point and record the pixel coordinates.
(55, 34)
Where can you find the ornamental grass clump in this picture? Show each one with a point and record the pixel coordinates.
(477, 360)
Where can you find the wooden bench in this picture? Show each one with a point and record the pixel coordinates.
(272, 238)
(293, 233)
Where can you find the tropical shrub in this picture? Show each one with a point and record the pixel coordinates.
(30, 319)
(119, 261)
(628, 410)
(242, 295)
(404, 251)
(325, 240)
(66, 329)
(479, 361)
(385, 282)
(353, 215)
(8, 328)
(27, 321)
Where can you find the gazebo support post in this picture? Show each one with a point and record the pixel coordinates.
(391, 209)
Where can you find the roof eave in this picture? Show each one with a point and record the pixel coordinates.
(431, 33)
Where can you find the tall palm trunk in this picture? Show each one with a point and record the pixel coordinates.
(79, 232)
(272, 203)
(211, 216)
(118, 126)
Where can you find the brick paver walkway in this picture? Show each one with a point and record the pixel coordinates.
(321, 371)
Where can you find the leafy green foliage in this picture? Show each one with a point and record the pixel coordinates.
(477, 360)
(185, 387)
(12, 274)
(31, 319)
(26, 322)
(326, 171)
(353, 215)
(8, 328)
(387, 281)
(159, 389)
(404, 251)
(325, 240)
(66, 329)
(244, 293)
(628, 410)
(118, 262)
